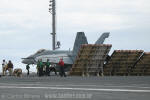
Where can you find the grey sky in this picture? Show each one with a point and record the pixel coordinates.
(26, 25)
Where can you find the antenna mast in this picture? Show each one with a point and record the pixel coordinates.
(52, 10)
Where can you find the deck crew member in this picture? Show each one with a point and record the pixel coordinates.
(47, 68)
(62, 71)
(40, 67)
(27, 68)
(4, 64)
(10, 67)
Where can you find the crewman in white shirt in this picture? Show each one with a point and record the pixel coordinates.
(4, 64)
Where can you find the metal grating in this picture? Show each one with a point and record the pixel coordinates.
(142, 68)
(121, 62)
(90, 60)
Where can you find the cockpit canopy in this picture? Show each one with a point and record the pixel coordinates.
(40, 51)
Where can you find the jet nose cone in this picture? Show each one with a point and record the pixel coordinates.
(28, 61)
(24, 61)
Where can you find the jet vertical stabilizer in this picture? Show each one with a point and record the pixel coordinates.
(102, 38)
(80, 39)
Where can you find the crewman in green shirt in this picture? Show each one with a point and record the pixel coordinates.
(47, 68)
(40, 67)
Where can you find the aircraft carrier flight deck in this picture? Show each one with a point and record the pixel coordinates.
(75, 88)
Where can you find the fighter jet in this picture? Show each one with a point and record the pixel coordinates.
(68, 56)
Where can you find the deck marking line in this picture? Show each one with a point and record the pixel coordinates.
(84, 89)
